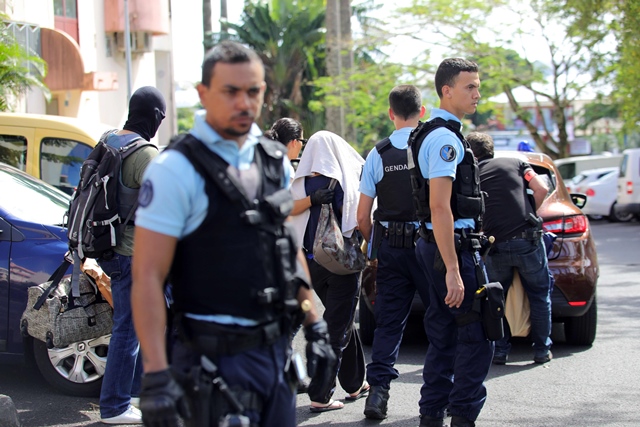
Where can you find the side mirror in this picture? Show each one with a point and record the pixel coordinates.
(578, 199)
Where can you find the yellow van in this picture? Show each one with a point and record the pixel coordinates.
(51, 148)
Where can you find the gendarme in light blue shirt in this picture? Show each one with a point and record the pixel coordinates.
(172, 198)
(373, 172)
(175, 202)
(440, 154)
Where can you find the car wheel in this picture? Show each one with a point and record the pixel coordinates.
(616, 216)
(582, 330)
(367, 322)
(76, 369)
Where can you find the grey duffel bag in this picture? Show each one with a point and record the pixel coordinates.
(53, 315)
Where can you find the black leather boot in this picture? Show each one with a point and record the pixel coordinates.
(427, 421)
(457, 421)
(375, 407)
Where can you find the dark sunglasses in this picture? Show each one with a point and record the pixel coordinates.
(304, 141)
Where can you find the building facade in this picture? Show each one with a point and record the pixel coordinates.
(83, 43)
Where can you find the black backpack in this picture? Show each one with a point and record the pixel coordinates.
(93, 219)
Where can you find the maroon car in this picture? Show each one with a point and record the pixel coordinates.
(573, 260)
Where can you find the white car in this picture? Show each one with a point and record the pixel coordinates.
(580, 182)
(601, 199)
(629, 183)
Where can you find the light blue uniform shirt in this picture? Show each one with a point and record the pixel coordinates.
(440, 154)
(172, 198)
(373, 172)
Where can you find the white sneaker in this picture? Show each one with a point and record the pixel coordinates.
(130, 416)
(135, 402)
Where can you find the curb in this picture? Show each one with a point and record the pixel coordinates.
(8, 412)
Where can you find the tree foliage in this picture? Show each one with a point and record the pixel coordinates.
(289, 38)
(19, 69)
(593, 21)
(468, 28)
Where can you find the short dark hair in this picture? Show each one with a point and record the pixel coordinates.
(449, 69)
(405, 101)
(285, 130)
(481, 144)
(227, 52)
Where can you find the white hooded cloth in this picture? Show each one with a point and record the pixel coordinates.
(328, 154)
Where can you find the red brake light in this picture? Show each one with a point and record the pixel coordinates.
(577, 303)
(629, 187)
(590, 192)
(576, 224)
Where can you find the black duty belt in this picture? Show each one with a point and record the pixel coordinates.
(214, 339)
(528, 234)
(466, 239)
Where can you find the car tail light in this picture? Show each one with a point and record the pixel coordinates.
(577, 303)
(576, 224)
(590, 192)
(629, 187)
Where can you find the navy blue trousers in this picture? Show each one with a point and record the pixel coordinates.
(398, 277)
(458, 358)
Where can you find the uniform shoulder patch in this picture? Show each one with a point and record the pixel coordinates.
(146, 194)
(448, 153)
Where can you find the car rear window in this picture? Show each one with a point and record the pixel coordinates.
(13, 151)
(30, 199)
(547, 176)
(623, 165)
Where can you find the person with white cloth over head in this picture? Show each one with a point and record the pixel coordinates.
(327, 156)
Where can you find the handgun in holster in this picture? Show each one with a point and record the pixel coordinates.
(209, 405)
(535, 232)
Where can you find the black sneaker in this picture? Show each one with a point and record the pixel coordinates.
(500, 359)
(543, 359)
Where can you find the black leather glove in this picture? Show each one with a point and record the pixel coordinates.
(162, 400)
(321, 360)
(322, 196)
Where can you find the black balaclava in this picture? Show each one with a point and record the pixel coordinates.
(146, 111)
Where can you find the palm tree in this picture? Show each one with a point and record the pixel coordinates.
(289, 41)
(19, 70)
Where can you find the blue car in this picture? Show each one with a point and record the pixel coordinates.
(32, 245)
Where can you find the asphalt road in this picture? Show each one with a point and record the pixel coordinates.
(581, 386)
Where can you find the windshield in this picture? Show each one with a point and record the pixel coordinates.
(31, 200)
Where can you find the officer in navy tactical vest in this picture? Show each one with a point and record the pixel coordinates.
(395, 224)
(446, 188)
(212, 220)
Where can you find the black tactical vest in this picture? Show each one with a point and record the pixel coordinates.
(466, 196)
(394, 189)
(241, 260)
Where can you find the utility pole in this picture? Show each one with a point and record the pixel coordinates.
(127, 48)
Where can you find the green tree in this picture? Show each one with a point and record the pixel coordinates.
(464, 26)
(19, 69)
(619, 20)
